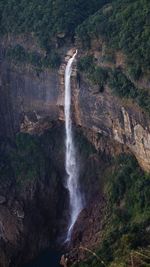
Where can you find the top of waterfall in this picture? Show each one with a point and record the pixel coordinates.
(74, 55)
(71, 52)
(76, 52)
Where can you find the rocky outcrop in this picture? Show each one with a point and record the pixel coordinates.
(115, 120)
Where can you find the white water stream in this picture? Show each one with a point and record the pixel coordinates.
(71, 166)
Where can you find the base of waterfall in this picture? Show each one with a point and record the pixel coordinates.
(48, 258)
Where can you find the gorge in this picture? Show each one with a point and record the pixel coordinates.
(74, 133)
(40, 151)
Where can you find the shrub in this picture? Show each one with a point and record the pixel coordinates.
(96, 74)
(52, 60)
(17, 53)
(86, 64)
(125, 26)
(20, 55)
(120, 84)
(99, 77)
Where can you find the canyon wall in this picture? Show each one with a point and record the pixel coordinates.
(116, 119)
(30, 101)
(33, 102)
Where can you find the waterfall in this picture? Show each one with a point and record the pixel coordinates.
(71, 166)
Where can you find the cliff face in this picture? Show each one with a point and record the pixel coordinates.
(116, 119)
(34, 202)
(33, 211)
(30, 101)
(106, 114)
(26, 97)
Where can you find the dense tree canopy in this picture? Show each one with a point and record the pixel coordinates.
(125, 25)
(46, 18)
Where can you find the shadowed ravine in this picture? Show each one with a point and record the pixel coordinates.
(46, 259)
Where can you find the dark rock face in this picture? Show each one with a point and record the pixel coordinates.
(26, 98)
(28, 226)
(87, 233)
(33, 214)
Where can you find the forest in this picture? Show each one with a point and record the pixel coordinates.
(45, 18)
(124, 25)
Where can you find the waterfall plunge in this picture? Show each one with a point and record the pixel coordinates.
(70, 161)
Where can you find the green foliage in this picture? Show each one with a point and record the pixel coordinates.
(30, 158)
(143, 99)
(128, 194)
(124, 25)
(134, 71)
(99, 77)
(86, 64)
(27, 158)
(20, 55)
(129, 183)
(33, 58)
(117, 81)
(123, 87)
(46, 19)
(129, 197)
(96, 74)
(52, 60)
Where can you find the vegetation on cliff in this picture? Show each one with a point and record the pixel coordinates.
(116, 79)
(46, 19)
(51, 22)
(126, 233)
(22, 160)
(27, 158)
(123, 87)
(96, 74)
(119, 26)
(124, 25)
(18, 54)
